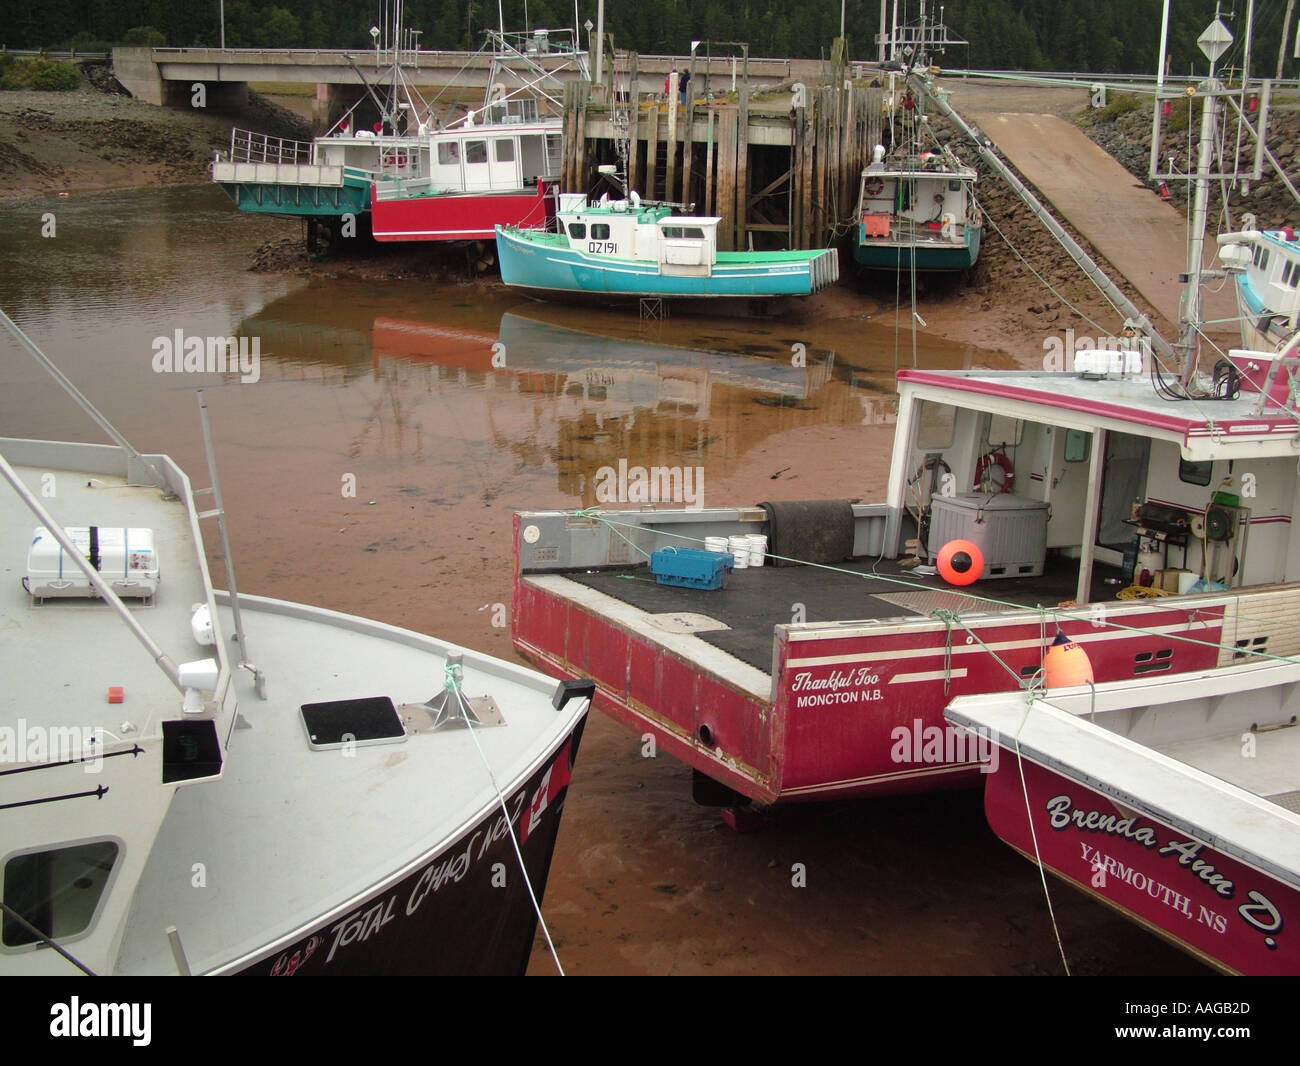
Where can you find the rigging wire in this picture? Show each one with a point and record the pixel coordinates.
(453, 683)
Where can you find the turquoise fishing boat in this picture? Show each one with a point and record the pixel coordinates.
(635, 248)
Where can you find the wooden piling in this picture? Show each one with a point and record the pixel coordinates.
(688, 137)
(725, 203)
(741, 208)
(670, 167)
(708, 163)
(651, 150)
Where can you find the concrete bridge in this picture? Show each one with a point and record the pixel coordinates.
(166, 76)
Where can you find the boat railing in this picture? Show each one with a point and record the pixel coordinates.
(249, 147)
(393, 188)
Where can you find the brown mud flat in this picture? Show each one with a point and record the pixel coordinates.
(89, 140)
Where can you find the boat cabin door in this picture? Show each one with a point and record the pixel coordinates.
(1124, 480)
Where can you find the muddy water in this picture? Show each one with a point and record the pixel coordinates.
(373, 467)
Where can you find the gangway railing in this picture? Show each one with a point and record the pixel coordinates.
(249, 147)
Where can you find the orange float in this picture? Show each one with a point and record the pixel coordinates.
(960, 562)
(1066, 664)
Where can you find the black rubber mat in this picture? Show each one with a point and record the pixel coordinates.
(758, 598)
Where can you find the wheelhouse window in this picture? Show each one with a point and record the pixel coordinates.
(684, 233)
(599, 231)
(1004, 432)
(1078, 446)
(476, 152)
(578, 231)
(57, 891)
(1194, 473)
(447, 153)
(504, 148)
(935, 425)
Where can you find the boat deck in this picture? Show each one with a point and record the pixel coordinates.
(741, 616)
(80, 645)
(290, 835)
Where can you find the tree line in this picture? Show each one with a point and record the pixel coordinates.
(1082, 35)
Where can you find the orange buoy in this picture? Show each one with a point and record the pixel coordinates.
(1066, 664)
(960, 562)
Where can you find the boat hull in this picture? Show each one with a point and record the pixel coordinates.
(543, 266)
(1143, 869)
(858, 714)
(459, 216)
(463, 910)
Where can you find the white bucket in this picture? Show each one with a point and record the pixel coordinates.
(715, 544)
(757, 548)
(1186, 580)
(739, 547)
(1151, 561)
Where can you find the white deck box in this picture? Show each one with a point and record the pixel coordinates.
(1010, 530)
(127, 563)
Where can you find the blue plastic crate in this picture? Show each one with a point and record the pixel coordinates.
(691, 567)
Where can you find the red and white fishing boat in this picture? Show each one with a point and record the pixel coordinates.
(419, 175)
(1174, 799)
(1041, 470)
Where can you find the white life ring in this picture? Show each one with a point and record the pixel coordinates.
(987, 463)
(874, 186)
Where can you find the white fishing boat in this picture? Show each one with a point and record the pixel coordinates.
(192, 781)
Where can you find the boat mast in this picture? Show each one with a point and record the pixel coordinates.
(1213, 42)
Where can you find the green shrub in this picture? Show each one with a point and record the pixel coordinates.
(44, 74)
(1120, 105)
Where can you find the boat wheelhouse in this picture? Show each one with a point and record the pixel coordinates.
(635, 248)
(1265, 264)
(918, 212)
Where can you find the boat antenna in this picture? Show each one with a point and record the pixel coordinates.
(137, 463)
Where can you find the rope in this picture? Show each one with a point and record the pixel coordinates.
(950, 617)
(1033, 834)
(46, 940)
(452, 684)
(1057, 613)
